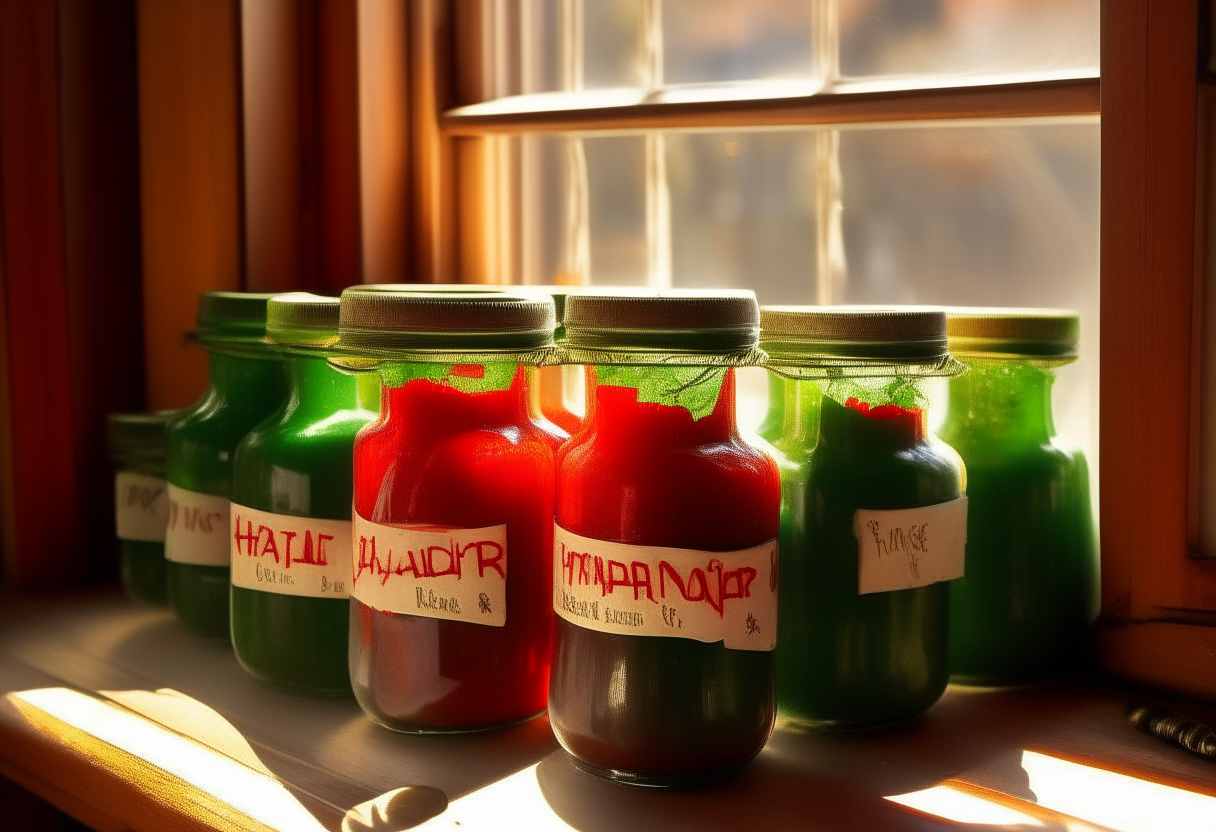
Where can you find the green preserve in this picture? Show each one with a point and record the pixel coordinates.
(872, 517)
(291, 510)
(246, 385)
(1030, 590)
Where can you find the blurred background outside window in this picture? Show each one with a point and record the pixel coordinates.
(975, 212)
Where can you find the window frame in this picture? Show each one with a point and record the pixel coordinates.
(1158, 602)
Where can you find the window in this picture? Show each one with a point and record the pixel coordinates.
(871, 151)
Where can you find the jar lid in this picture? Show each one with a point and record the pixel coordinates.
(443, 327)
(865, 338)
(139, 436)
(231, 318)
(560, 292)
(301, 319)
(1050, 334)
(671, 326)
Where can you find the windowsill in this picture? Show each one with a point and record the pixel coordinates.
(987, 752)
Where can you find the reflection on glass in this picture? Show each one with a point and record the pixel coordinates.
(901, 38)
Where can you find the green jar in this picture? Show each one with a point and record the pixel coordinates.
(291, 510)
(141, 502)
(247, 384)
(1022, 611)
(872, 517)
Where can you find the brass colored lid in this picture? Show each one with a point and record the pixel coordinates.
(1033, 333)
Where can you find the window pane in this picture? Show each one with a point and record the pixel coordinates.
(1000, 216)
(899, 38)
(616, 185)
(612, 46)
(743, 212)
(736, 40)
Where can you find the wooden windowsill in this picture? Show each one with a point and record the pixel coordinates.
(66, 659)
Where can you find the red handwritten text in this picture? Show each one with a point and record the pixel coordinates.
(714, 584)
(277, 543)
(429, 561)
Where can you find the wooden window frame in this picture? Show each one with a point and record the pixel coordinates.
(1158, 602)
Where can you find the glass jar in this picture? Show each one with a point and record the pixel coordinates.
(291, 499)
(665, 545)
(453, 489)
(141, 502)
(873, 521)
(1022, 610)
(247, 384)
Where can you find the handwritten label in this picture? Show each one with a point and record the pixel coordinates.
(141, 506)
(198, 528)
(290, 555)
(432, 571)
(658, 591)
(910, 547)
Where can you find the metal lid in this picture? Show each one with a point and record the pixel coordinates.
(692, 322)
(300, 319)
(231, 318)
(823, 341)
(381, 322)
(560, 292)
(1034, 333)
(139, 436)
(895, 333)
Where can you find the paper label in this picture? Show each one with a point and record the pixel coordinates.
(198, 528)
(432, 571)
(910, 547)
(141, 506)
(658, 591)
(290, 555)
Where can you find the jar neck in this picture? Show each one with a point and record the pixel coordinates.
(318, 389)
(800, 409)
(865, 419)
(445, 408)
(614, 410)
(1001, 401)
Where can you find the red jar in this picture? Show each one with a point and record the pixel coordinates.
(450, 625)
(665, 551)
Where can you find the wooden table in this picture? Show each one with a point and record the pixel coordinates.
(122, 719)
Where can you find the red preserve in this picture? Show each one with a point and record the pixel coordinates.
(665, 555)
(450, 626)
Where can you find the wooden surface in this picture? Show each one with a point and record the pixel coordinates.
(325, 762)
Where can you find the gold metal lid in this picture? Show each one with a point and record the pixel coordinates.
(1051, 334)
